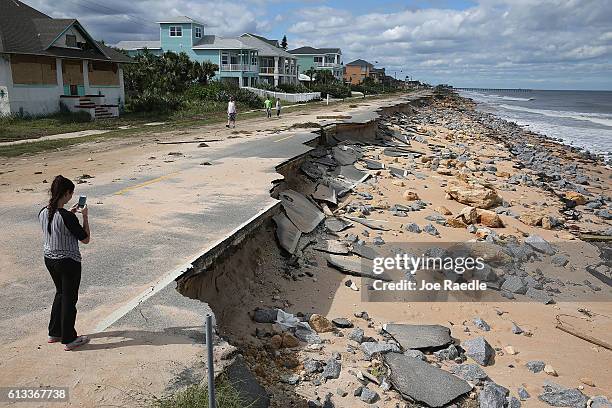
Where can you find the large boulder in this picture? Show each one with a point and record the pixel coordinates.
(479, 350)
(476, 195)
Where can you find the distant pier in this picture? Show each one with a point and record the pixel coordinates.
(495, 89)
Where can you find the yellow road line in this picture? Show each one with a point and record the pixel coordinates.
(284, 138)
(146, 183)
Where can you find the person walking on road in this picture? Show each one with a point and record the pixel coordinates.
(231, 113)
(62, 233)
(268, 106)
(278, 107)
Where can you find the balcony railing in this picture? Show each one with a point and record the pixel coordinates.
(326, 64)
(266, 70)
(285, 71)
(239, 67)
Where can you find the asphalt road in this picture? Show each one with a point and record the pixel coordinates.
(144, 225)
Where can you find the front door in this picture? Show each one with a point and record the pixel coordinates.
(74, 83)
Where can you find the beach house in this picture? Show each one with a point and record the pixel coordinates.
(356, 71)
(319, 59)
(47, 63)
(276, 66)
(237, 60)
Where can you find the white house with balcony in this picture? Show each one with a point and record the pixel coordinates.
(319, 59)
(276, 66)
(237, 60)
(47, 62)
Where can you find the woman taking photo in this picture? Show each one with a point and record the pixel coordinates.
(62, 233)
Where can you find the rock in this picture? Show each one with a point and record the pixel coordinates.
(493, 396)
(540, 245)
(414, 228)
(510, 350)
(308, 336)
(578, 198)
(356, 335)
(357, 391)
(469, 215)
(312, 366)
(449, 353)
(332, 369)
(474, 195)
(276, 342)
(265, 315)
(535, 366)
(533, 220)
(523, 394)
(559, 260)
(368, 396)
(558, 396)
(341, 392)
(431, 230)
(443, 210)
(539, 295)
(481, 324)
(410, 195)
(479, 350)
(320, 324)
(600, 401)
(490, 219)
(470, 372)
(289, 341)
(342, 323)
(291, 379)
(370, 348)
(516, 329)
(513, 402)
(548, 369)
(415, 354)
(423, 382)
(456, 223)
(515, 285)
(250, 392)
(417, 336)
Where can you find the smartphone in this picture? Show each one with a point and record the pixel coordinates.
(82, 201)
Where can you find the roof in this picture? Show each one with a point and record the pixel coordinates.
(180, 20)
(214, 42)
(24, 30)
(138, 45)
(360, 63)
(315, 51)
(265, 47)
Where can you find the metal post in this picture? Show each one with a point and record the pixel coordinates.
(211, 368)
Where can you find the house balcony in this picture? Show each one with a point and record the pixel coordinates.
(266, 70)
(281, 71)
(239, 68)
(326, 64)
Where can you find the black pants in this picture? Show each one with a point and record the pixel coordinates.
(66, 274)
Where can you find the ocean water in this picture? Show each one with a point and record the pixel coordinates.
(579, 118)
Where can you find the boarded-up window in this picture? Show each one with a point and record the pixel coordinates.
(103, 73)
(32, 70)
(72, 72)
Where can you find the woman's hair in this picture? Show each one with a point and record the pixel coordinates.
(60, 186)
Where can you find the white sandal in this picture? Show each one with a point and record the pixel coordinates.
(79, 341)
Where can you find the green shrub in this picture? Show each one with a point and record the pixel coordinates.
(196, 396)
(335, 90)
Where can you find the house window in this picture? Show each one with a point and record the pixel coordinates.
(254, 59)
(224, 58)
(318, 60)
(198, 32)
(176, 31)
(71, 41)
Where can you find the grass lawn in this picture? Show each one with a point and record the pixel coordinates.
(196, 396)
(12, 129)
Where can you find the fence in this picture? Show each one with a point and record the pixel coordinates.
(299, 97)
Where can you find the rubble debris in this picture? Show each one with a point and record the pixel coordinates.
(325, 193)
(423, 382)
(415, 336)
(479, 350)
(287, 233)
(304, 214)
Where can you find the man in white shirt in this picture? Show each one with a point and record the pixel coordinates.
(231, 113)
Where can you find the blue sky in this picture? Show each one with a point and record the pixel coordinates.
(540, 44)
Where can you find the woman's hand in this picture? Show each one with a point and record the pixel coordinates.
(74, 208)
(85, 211)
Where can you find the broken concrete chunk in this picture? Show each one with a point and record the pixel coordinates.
(287, 233)
(337, 224)
(540, 244)
(364, 251)
(368, 396)
(423, 382)
(244, 382)
(539, 296)
(325, 193)
(350, 173)
(558, 396)
(523, 394)
(332, 369)
(344, 155)
(470, 372)
(493, 396)
(370, 348)
(304, 214)
(535, 366)
(481, 324)
(368, 223)
(373, 165)
(356, 335)
(515, 285)
(265, 315)
(354, 265)
(332, 246)
(479, 350)
(416, 336)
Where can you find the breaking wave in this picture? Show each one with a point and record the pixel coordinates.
(600, 119)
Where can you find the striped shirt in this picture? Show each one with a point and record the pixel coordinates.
(66, 232)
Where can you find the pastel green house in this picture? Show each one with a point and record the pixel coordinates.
(319, 59)
(237, 60)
